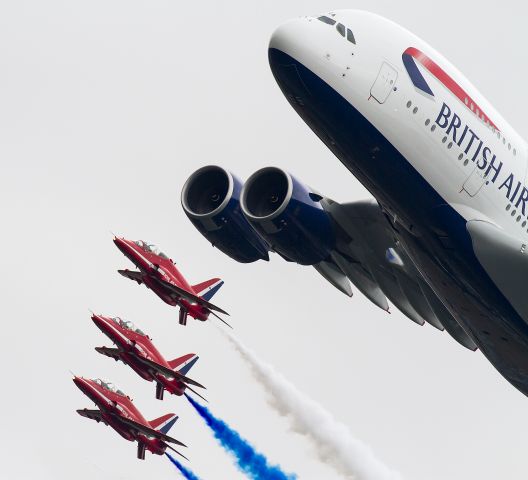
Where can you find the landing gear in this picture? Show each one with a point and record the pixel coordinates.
(183, 316)
(141, 451)
(159, 391)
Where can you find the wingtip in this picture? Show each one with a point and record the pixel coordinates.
(176, 451)
(196, 393)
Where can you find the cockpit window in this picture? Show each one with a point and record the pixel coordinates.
(156, 250)
(127, 324)
(150, 247)
(108, 386)
(327, 20)
(342, 29)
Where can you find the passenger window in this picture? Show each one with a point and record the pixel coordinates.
(341, 29)
(350, 36)
(327, 20)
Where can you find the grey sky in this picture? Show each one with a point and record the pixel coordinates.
(105, 108)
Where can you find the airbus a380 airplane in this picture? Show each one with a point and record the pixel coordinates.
(445, 240)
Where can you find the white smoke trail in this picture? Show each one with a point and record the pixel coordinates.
(332, 440)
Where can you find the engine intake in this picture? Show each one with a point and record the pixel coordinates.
(288, 216)
(211, 200)
(207, 191)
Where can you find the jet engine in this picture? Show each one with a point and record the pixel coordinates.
(211, 200)
(288, 216)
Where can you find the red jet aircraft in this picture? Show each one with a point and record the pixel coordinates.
(118, 411)
(135, 348)
(159, 273)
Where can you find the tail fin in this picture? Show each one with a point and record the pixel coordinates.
(207, 289)
(164, 423)
(184, 364)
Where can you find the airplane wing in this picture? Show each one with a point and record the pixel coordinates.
(367, 255)
(114, 353)
(168, 372)
(196, 393)
(176, 451)
(92, 415)
(191, 297)
(139, 427)
(221, 319)
(132, 275)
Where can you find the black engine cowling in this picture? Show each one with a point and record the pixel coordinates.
(288, 216)
(211, 200)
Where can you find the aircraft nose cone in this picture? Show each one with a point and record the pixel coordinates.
(119, 243)
(290, 36)
(125, 247)
(107, 326)
(294, 49)
(80, 383)
(98, 320)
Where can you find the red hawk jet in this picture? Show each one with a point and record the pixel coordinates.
(117, 410)
(159, 273)
(135, 348)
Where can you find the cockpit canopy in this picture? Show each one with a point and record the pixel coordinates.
(108, 386)
(151, 248)
(128, 325)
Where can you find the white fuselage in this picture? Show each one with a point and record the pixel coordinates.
(352, 70)
(436, 155)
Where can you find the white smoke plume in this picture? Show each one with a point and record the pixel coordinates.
(332, 440)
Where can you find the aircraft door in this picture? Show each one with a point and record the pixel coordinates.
(384, 83)
(480, 177)
(475, 181)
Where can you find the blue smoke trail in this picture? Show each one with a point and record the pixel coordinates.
(249, 461)
(184, 471)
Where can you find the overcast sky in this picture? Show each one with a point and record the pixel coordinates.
(106, 107)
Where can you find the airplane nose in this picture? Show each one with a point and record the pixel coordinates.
(106, 325)
(80, 383)
(119, 243)
(296, 48)
(99, 321)
(291, 37)
(125, 248)
(103, 324)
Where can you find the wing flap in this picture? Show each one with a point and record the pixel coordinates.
(391, 287)
(364, 284)
(333, 274)
(448, 321)
(369, 254)
(416, 298)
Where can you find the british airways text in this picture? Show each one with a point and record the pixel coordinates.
(483, 156)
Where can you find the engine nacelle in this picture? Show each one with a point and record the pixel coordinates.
(288, 216)
(211, 200)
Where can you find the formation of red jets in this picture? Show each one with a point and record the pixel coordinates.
(135, 348)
